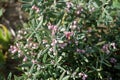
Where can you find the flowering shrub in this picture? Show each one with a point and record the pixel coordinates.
(69, 40)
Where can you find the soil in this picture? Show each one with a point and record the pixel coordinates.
(13, 17)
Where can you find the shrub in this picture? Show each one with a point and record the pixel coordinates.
(69, 40)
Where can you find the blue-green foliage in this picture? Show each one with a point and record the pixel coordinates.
(70, 40)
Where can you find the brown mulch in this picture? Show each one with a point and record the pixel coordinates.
(12, 16)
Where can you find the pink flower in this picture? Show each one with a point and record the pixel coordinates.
(25, 59)
(83, 75)
(62, 45)
(79, 10)
(74, 25)
(54, 42)
(113, 60)
(68, 34)
(92, 9)
(105, 48)
(76, 42)
(50, 27)
(69, 4)
(80, 51)
(74, 22)
(35, 8)
(34, 61)
(55, 28)
(35, 45)
(51, 49)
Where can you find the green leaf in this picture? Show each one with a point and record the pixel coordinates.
(31, 69)
(62, 75)
(106, 63)
(1, 12)
(100, 43)
(117, 66)
(9, 76)
(5, 37)
(66, 78)
(59, 59)
(84, 58)
(45, 58)
(28, 64)
(100, 76)
(116, 4)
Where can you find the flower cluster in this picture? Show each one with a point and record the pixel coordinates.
(53, 28)
(13, 49)
(35, 8)
(83, 75)
(106, 47)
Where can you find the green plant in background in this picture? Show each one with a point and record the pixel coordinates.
(69, 40)
(2, 63)
(5, 39)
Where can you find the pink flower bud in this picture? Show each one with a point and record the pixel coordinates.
(53, 42)
(105, 48)
(51, 49)
(68, 34)
(25, 59)
(37, 10)
(113, 60)
(53, 28)
(50, 27)
(33, 7)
